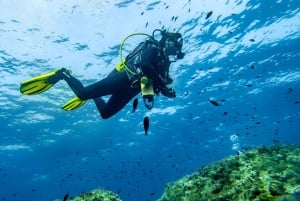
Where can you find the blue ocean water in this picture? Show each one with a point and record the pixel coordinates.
(245, 56)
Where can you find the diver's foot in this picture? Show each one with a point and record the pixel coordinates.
(59, 75)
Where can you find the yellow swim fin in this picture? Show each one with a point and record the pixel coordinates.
(73, 104)
(41, 83)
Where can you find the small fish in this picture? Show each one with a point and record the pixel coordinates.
(135, 104)
(215, 103)
(290, 90)
(66, 197)
(208, 14)
(146, 125)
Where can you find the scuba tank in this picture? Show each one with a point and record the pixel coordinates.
(128, 64)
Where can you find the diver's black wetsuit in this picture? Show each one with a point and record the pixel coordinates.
(119, 85)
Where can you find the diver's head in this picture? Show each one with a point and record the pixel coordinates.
(172, 45)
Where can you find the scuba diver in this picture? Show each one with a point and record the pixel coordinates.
(145, 70)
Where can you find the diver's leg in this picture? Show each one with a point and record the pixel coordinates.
(108, 85)
(76, 86)
(116, 84)
(115, 103)
(100, 103)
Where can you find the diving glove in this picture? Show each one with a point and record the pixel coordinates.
(169, 80)
(168, 92)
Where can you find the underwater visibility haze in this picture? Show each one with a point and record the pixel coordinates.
(238, 87)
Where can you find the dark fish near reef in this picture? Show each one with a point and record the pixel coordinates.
(135, 104)
(146, 125)
(66, 197)
(208, 14)
(215, 103)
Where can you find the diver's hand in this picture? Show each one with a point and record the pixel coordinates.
(169, 80)
(168, 92)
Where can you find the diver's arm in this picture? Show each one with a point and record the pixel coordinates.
(150, 57)
(168, 92)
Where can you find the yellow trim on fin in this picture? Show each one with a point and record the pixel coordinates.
(41, 83)
(73, 104)
(36, 85)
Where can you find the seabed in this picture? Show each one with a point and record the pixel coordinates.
(260, 174)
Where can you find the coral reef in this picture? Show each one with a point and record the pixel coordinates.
(261, 174)
(96, 195)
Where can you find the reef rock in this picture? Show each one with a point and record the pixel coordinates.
(96, 195)
(260, 174)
